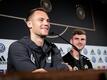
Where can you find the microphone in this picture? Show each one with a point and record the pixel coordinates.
(81, 61)
(53, 33)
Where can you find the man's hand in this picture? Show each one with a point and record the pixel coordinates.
(39, 70)
(70, 68)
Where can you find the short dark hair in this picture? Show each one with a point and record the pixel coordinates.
(78, 31)
(30, 13)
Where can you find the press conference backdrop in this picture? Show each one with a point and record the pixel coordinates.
(89, 15)
(64, 18)
(96, 54)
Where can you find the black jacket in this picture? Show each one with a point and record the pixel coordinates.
(82, 63)
(25, 55)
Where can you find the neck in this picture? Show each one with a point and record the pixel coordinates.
(39, 41)
(75, 54)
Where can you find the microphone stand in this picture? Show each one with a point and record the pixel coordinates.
(80, 57)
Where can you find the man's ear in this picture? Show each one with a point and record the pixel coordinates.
(29, 24)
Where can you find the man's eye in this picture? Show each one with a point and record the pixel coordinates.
(83, 39)
(41, 19)
(48, 20)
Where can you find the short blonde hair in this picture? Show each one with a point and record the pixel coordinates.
(30, 13)
(78, 31)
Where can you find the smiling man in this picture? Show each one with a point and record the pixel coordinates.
(74, 58)
(34, 53)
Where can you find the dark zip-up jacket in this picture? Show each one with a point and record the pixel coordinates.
(25, 55)
(82, 63)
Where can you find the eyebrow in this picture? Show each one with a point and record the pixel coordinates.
(78, 38)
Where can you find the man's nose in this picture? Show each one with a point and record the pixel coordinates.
(46, 23)
(80, 40)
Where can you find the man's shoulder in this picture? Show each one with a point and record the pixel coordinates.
(66, 55)
(18, 42)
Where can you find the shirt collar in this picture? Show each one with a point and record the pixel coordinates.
(46, 47)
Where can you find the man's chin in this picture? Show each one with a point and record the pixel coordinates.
(43, 36)
(80, 49)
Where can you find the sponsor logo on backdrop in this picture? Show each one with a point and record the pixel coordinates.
(98, 51)
(85, 51)
(61, 50)
(106, 59)
(2, 47)
(105, 52)
(1, 71)
(3, 60)
(98, 67)
(101, 67)
(93, 59)
(100, 60)
(92, 52)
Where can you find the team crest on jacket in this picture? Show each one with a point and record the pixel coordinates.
(32, 58)
(48, 59)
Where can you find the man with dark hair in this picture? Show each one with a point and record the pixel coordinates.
(34, 53)
(73, 57)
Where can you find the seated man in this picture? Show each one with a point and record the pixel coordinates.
(34, 53)
(73, 57)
